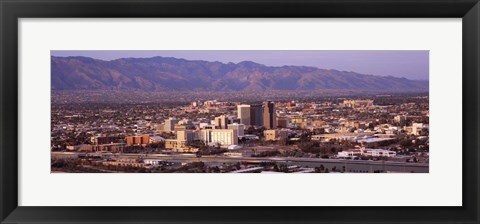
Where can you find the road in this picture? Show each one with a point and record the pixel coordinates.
(338, 164)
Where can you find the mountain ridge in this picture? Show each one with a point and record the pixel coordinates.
(175, 74)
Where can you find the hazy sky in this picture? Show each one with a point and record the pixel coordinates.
(408, 64)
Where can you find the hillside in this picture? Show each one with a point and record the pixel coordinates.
(173, 74)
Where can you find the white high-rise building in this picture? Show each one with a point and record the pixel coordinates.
(224, 137)
(243, 113)
(239, 128)
(221, 121)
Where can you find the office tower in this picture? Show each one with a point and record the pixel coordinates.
(269, 116)
(224, 137)
(170, 124)
(256, 115)
(185, 135)
(239, 128)
(221, 122)
(243, 113)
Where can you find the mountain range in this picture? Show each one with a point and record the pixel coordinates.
(174, 74)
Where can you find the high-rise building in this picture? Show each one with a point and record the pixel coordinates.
(185, 135)
(221, 122)
(239, 128)
(224, 137)
(170, 123)
(243, 113)
(269, 115)
(256, 115)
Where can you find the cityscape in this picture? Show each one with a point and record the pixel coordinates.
(175, 115)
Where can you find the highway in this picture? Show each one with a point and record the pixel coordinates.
(338, 164)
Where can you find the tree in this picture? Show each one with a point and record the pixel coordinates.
(305, 137)
(406, 143)
(322, 168)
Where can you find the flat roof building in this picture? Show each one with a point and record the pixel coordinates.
(256, 115)
(269, 115)
(243, 113)
(240, 128)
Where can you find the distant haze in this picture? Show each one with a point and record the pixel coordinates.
(408, 64)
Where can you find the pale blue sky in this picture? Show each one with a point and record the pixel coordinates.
(408, 64)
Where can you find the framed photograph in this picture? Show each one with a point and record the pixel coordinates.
(239, 111)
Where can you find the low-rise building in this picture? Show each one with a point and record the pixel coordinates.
(98, 140)
(152, 161)
(380, 153)
(282, 122)
(112, 147)
(82, 147)
(276, 135)
(175, 144)
(121, 163)
(351, 153)
(350, 136)
(185, 149)
(355, 104)
(138, 139)
(155, 139)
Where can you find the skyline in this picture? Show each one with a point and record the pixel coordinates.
(407, 64)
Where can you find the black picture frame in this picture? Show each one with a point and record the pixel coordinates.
(12, 10)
